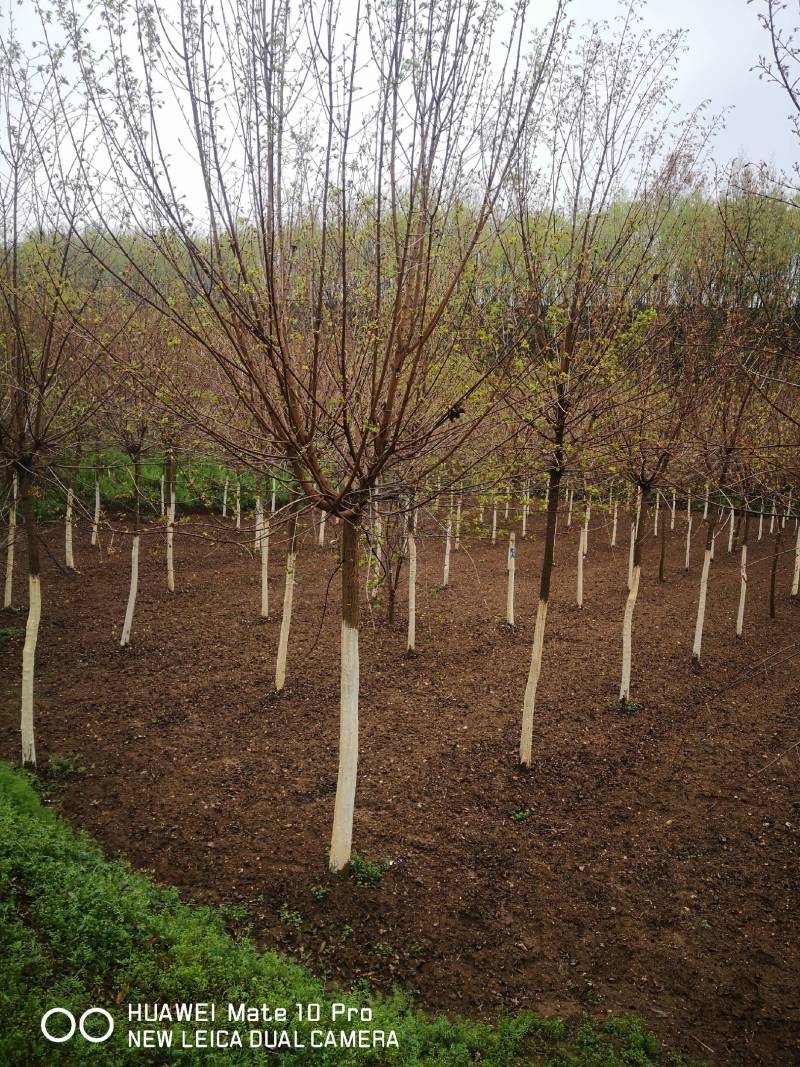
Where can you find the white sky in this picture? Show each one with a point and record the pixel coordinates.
(725, 41)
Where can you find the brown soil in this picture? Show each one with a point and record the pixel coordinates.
(655, 871)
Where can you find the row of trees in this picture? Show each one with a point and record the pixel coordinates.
(390, 254)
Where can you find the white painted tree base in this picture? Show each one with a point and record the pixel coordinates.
(742, 591)
(96, 517)
(125, 640)
(286, 623)
(28, 669)
(529, 702)
(627, 636)
(342, 835)
(69, 557)
(701, 607)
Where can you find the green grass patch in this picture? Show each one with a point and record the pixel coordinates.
(199, 486)
(78, 931)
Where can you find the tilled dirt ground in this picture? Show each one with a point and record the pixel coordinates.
(648, 863)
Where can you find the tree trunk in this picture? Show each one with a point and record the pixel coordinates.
(32, 623)
(342, 835)
(259, 519)
(614, 525)
(511, 568)
(630, 604)
(579, 579)
(672, 515)
(69, 556)
(96, 517)
(238, 502)
(265, 569)
(662, 556)
(170, 488)
(321, 538)
(796, 575)
(225, 498)
(494, 520)
(8, 591)
(125, 640)
(412, 593)
(743, 576)
(288, 598)
(458, 523)
(535, 670)
(701, 603)
(688, 533)
(732, 531)
(446, 575)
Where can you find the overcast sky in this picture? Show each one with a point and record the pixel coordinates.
(725, 41)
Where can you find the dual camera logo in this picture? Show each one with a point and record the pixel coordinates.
(73, 1024)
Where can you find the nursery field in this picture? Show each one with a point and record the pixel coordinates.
(646, 863)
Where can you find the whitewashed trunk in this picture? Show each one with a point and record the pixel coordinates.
(705, 505)
(28, 669)
(796, 575)
(761, 523)
(732, 531)
(272, 502)
(344, 807)
(631, 550)
(259, 523)
(494, 521)
(225, 498)
(96, 517)
(446, 575)
(742, 591)
(508, 502)
(579, 585)
(171, 540)
(8, 589)
(125, 640)
(627, 636)
(672, 515)
(535, 670)
(614, 526)
(161, 490)
(321, 538)
(701, 607)
(656, 515)
(265, 569)
(772, 517)
(687, 561)
(412, 593)
(69, 556)
(286, 623)
(458, 524)
(511, 568)
(238, 506)
(569, 508)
